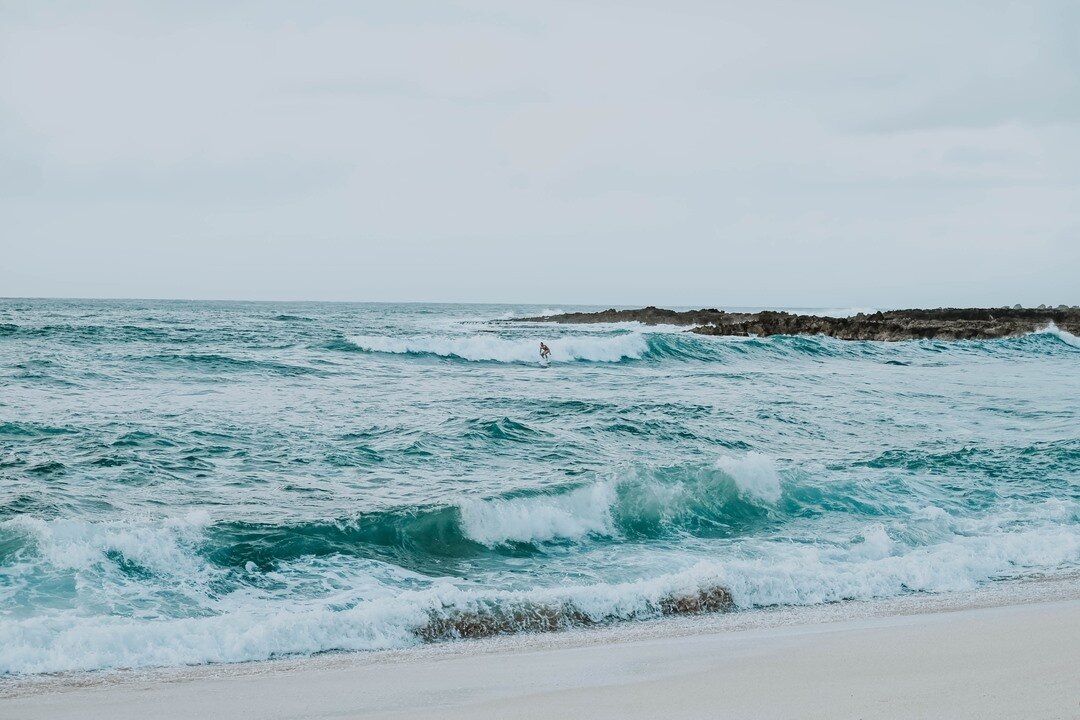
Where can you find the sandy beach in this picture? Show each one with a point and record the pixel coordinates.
(1016, 661)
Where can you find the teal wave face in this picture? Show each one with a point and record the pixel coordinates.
(210, 482)
(622, 347)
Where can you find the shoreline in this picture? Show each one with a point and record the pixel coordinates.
(470, 677)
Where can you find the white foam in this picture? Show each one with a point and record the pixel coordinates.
(162, 546)
(1064, 335)
(874, 543)
(800, 574)
(754, 474)
(571, 516)
(592, 348)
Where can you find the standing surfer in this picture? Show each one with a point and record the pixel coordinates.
(545, 351)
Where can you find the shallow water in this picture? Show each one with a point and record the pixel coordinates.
(183, 483)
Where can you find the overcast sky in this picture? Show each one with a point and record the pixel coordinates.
(717, 153)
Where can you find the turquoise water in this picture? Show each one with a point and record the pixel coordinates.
(188, 482)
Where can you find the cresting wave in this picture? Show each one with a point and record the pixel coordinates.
(725, 497)
(679, 345)
(479, 348)
(1063, 335)
(638, 504)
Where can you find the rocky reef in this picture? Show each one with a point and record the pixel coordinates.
(891, 325)
(481, 622)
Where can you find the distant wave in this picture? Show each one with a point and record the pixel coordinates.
(126, 332)
(680, 345)
(480, 348)
(215, 362)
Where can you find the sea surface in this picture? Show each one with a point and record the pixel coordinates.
(196, 482)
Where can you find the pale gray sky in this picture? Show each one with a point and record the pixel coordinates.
(830, 153)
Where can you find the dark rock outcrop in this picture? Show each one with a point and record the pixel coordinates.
(938, 324)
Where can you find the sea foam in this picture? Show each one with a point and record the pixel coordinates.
(754, 474)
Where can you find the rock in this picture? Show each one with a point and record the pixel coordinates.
(914, 324)
(710, 599)
(451, 623)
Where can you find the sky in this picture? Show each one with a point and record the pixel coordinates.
(825, 154)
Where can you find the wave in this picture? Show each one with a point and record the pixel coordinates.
(69, 642)
(75, 333)
(490, 348)
(727, 497)
(33, 429)
(165, 548)
(654, 345)
(754, 475)
(216, 362)
(643, 503)
(241, 626)
(613, 348)
(1063, 335)
(569, 516)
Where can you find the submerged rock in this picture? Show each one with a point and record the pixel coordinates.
(705, 600)
(452, 623)
(914, 324)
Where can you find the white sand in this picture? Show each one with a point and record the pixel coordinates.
(1020, 661)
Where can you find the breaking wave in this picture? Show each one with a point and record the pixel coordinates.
(489, 348)
(685, 346)
(359, 612)
(1063, 335)
(641, 503)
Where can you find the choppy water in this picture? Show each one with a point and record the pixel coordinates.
(203, 482)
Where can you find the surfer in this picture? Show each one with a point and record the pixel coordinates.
(545, 351)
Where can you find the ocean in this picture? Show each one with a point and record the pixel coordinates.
(185, 483)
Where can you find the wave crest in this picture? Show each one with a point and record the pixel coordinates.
(1063, 335)
(659, 346)
(648, 502)
(571, 516)
(487, 348)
